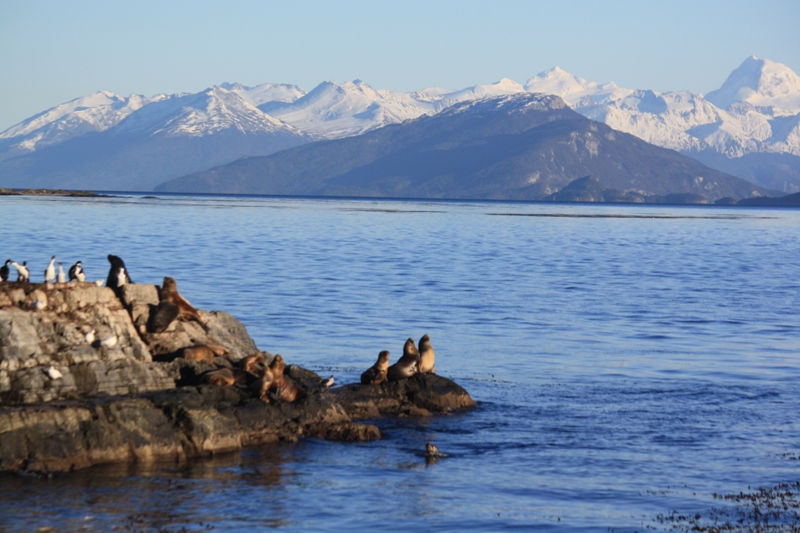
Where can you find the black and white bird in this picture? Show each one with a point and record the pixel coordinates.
(118, 274)
(62, 278)
(23, 274)
(50, 271)
(76, 272)
(4, 270)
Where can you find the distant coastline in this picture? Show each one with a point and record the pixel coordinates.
(49, 192)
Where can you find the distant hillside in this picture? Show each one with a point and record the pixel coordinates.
(521, 147)
(792, 200)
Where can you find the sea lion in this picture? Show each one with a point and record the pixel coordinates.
(223, 377)
(117, 274)
(169, 292)
(283, 388)
(262, 385)
(407, 365)
(376, 374)
(201, 353)
(426, 356)
(251, 362)
(161, 316)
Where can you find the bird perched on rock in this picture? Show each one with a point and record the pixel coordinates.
(23, 274)
(50, 271)
(62, 278)
(4, 270)
(76, 272)
(53, 373)
(117, 274)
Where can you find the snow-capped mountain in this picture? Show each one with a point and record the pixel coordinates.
(168, 138)
(755, 112)
(96, 112)
(575, 91)
(266, 93)
(197, 115)
(760, 83)
(332, 111)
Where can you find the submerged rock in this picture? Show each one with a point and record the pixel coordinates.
(83, 381)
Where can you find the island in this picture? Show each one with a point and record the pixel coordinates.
(85, 378)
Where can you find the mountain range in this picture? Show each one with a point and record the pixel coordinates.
(522, 146)
(749, 127)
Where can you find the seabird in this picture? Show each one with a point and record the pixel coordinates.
(53, 373)
(76, 272)
(117, 274)
(23, 274)
(4, 270)
(50, 271)
(62, 278)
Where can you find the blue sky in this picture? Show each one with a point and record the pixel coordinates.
(52, 51)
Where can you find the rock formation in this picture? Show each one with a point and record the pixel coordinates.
(83, 381)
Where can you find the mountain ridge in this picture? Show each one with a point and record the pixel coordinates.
(762, 117)
(515, 147)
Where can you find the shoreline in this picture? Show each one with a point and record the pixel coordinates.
(50, 192)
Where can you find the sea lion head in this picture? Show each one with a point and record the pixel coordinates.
(169, 285)
(383, 357)
(278, 365)
(410, 349)
(252, 362)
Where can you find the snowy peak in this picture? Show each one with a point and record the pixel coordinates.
(266, 93)
(331, 110)
(477, 92)
(205, 113)
(96, 112)
(761, 83)
(575, 91)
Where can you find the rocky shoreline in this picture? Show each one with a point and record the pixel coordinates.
(49, 192)
(83, 381)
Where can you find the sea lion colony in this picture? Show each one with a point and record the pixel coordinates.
(267, 382)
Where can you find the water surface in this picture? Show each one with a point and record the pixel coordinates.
(628, 361)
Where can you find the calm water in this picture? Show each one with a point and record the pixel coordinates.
(628, 361)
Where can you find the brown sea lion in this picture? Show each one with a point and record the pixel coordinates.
(169, 293)
(376, 374)
(283, 388)
(201, 353)
(223, 377)
(261, 386)
(251, 362)
(426, 356)
(407, 365)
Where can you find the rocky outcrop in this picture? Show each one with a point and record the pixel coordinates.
(84, 381)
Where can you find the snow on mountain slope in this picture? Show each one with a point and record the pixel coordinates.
(196, 115)
(501, 88)
(97, 112)
(575, 91)
(266, 93)
(761, 83)
(332, 111)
